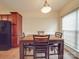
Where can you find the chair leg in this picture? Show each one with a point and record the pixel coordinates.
(34, 53)
(48, 52)
(25, 51)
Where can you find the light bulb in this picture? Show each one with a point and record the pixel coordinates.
(46, 9)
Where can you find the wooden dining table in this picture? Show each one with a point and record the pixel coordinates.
(29, 39)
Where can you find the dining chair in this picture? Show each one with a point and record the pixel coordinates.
(41, 49)
(54, 46)
(58, 34)
(28, 48)
(41, 32)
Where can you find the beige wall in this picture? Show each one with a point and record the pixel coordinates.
(69, 7)
(4, 9)
(33, 22)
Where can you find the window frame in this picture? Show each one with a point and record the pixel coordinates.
(76, 35)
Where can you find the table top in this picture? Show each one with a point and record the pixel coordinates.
(52, 37)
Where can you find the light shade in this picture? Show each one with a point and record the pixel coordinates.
(46, 8)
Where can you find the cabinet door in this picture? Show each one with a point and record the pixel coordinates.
(5, 35)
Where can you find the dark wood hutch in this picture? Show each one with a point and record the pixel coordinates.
(16, 27)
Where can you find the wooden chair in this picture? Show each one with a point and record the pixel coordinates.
(41, 49)
(28, 48)
(54, 46)
(40, 32)
(58, 34)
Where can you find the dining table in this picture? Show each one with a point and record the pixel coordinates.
(29, 39)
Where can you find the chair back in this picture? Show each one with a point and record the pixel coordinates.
(41, 39)
(58, 34)
(40, 32)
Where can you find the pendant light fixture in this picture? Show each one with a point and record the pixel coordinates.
(46, 7)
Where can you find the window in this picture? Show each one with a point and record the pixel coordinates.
(70, 27)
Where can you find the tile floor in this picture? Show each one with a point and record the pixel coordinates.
(14, 54)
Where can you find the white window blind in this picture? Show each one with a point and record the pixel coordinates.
(69, 28)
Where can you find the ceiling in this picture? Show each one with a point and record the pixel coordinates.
(34, 5)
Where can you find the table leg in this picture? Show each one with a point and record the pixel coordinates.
(21, 51)
(61, 50)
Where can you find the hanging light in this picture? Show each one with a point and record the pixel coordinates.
(46, 7)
